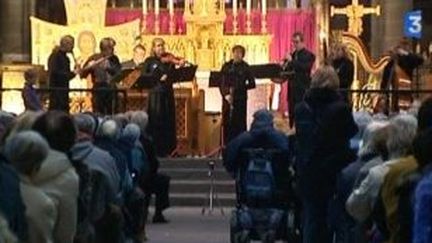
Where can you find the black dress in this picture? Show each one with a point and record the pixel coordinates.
(59, 77)
(161, 107)
(238, 78)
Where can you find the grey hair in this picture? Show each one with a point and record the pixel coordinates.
(362, 119)
(109, 129)
(131, 132)
(402, 131)
(140, 118)
(373, 138)
(325, 77)
(25, 121)
(26, 151)
(85, 123)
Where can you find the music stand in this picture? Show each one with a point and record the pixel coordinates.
(271, 71)
(121, 75)
(215, 81)
(144, 81)
(181, 75)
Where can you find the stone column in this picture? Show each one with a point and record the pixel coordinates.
(387, 29)
(15, 30)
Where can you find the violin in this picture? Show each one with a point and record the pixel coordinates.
(168, 57)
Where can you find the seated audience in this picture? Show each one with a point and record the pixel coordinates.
(57, 176)
(372, 150)
(26, 151)
(156, 183)
(422, 207)
(366, 200)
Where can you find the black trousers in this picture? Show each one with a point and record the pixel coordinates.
(159, 186)
(59, 99)
(103, 98)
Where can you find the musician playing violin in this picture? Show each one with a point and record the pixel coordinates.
(237, 80)
(103, 67)
(161, 103)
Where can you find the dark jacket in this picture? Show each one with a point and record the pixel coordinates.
(345, 70)
(11, 203)
(59, 69)
(30, 98)
(324, 127)
(261, 135)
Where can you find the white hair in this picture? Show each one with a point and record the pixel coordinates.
(402, 131)
(109, 129)
(140, 118)
(26, 151)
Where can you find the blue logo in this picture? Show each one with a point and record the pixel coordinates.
(413, 24)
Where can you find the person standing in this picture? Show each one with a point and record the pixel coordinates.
(344, 68)
(60, 74)
(237, 80)
(161, 103)
(103, 67)
(401, 66)
(30, 98)
(299, 62)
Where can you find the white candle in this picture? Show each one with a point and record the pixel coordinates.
(264, 7)
(171, 7)
(157, 7)
(248, 7)
(144, 7)
(234, 7)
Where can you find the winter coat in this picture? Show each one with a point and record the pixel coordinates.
(41, 212)
(11, 203)
(59, 180)
(99, 160)
(324, 127)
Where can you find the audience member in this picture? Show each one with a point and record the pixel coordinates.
(29, 95)
(324, 127)
(26, 151)
(156, 183)
(422, 206)
(57, 176)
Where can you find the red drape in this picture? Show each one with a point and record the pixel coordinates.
(281, 24)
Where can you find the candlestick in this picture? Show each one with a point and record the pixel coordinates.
(156, 7)
(171, 7)
(248, 7)
(144, 7)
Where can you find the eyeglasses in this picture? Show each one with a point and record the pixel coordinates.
(296, 41)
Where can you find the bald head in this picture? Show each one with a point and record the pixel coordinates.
(67, 43)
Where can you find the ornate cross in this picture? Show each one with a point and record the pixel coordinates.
(355, 13)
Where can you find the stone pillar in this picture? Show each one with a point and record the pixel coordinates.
(387, 29)
(15, 30)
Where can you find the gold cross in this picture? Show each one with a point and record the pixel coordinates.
(355, 13)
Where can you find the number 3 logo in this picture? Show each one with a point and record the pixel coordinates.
(416, 25)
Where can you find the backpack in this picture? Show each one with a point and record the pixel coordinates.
(258, 179)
